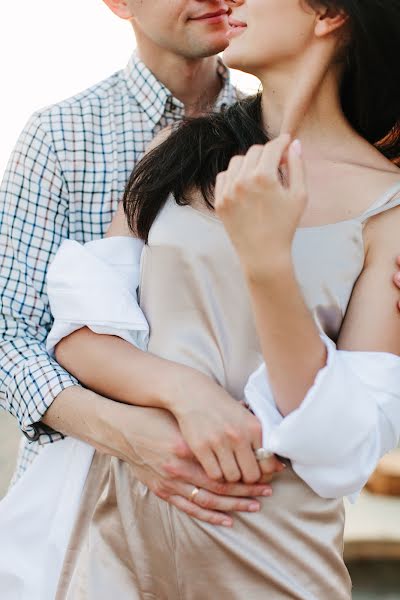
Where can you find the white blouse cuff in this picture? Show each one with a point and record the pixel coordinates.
(95, 285)
(347, 421)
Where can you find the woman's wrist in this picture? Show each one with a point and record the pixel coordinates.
(172, 383)
(270, 268)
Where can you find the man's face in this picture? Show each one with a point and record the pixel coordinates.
(189, 28)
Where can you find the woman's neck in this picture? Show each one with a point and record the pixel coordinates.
(305, 102)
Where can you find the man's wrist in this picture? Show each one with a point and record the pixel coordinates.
(80, 413)
(98, 421)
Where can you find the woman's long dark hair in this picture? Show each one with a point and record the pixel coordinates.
(198, 149)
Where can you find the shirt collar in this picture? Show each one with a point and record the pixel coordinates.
(156, 99)
(229, 94)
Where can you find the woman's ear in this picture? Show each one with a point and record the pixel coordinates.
(330, 21)
(120, 8)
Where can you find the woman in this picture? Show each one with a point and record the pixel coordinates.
(236, 299)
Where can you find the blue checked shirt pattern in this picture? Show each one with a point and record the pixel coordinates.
(64, 180)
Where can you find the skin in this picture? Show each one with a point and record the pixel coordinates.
(181, 53)
(396, 279)
(300, 75)
(177, 46)
(250, 196)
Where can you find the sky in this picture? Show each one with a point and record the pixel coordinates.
(51, 50)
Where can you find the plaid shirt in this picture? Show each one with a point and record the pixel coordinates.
(64, 180)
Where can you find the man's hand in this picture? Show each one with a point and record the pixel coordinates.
(150, 441)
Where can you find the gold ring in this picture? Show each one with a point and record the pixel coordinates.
(194, 493)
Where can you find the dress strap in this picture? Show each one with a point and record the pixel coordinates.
(389, 200)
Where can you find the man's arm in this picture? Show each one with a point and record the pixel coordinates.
(33, 221)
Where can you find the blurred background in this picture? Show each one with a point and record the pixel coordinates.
(51, 51)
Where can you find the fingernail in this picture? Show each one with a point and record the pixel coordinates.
(226, 523)
(267, 492)
(282, 466)
(254, 506)
(296, 147)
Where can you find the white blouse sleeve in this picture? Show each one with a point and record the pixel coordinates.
(348, 420)
(95, 285)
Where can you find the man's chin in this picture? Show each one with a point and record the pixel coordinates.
(209, 45)
(215, 47)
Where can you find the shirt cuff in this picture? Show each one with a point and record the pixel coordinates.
(34, 387)
(96, 286)
(349, 419)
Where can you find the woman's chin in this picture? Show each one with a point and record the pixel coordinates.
(236, 60)
(232, 58)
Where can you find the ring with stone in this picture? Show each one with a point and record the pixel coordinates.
(262, 454)
(194, 493)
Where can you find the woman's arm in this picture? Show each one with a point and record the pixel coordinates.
(372, 320)
(261, 215)
(348, 408)
(350, 416)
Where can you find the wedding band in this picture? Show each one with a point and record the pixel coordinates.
(262, 454)
(194, 493)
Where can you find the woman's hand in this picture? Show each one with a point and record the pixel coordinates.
(260, 212)
(221, 432)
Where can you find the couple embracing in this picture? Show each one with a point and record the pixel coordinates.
(237, 330)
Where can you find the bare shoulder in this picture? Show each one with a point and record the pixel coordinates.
(160, 138)
(382, 230)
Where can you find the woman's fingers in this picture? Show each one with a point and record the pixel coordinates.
(188, 470)
(228, 464)
(210, 463)
(248, 464)
(297, 180)
(219, 189)
(271, 157)
(251, 161)
(271, 465)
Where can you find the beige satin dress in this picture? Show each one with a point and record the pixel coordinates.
(130, 545)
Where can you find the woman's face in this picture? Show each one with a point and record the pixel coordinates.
(268, 33)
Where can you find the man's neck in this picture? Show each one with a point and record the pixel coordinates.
(195, 82)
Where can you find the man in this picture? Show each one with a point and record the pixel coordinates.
(64, 179)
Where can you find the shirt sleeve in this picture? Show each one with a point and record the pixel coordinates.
(348, 420)
(33, 221)
(95, 285)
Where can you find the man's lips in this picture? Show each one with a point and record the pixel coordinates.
(217, 16)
